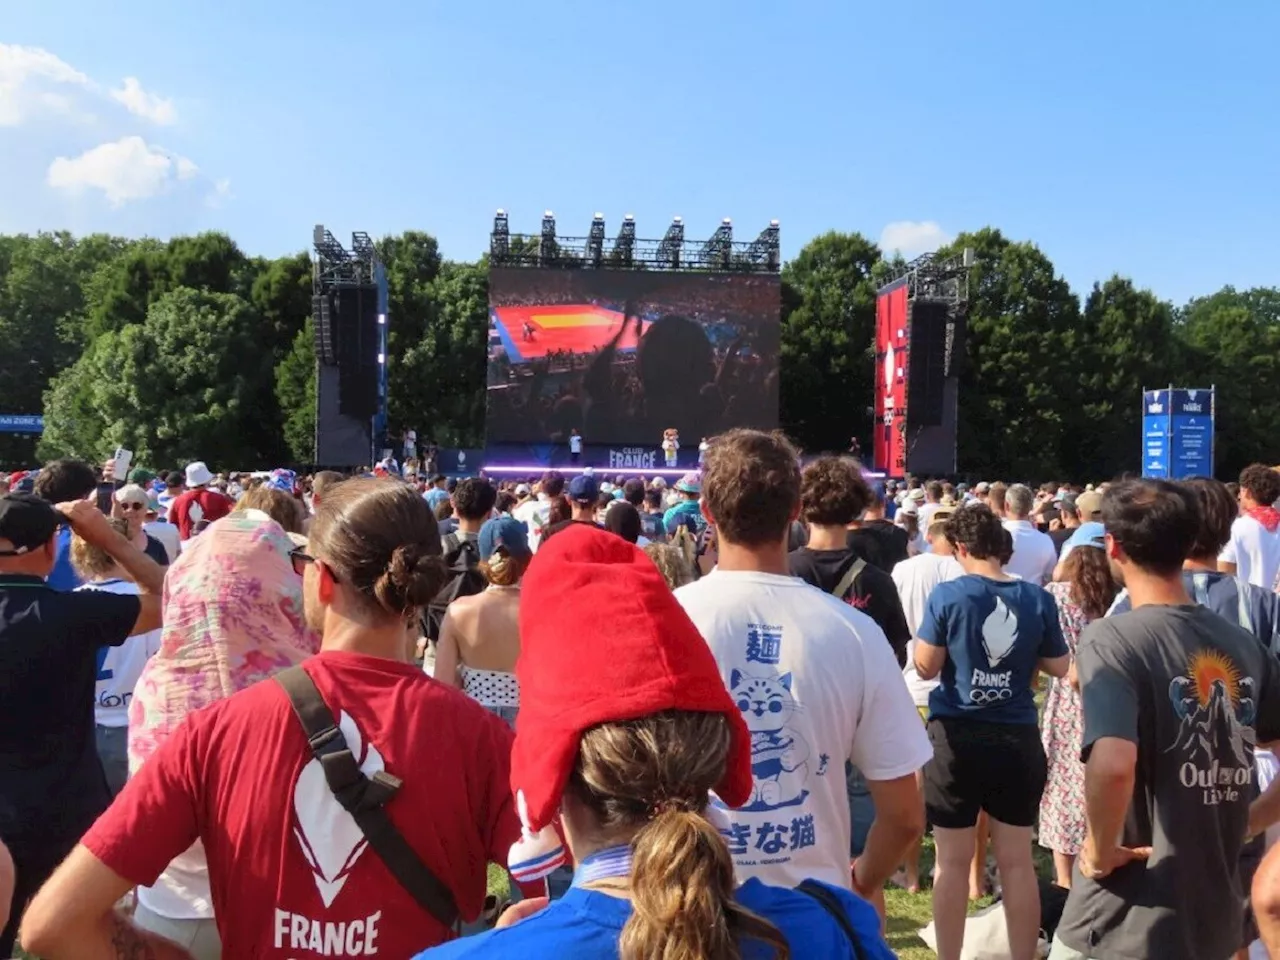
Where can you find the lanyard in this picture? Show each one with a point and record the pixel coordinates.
(604, 864)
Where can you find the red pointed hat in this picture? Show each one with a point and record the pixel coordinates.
(602, 638)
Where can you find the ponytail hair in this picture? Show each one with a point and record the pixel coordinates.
(651, 777)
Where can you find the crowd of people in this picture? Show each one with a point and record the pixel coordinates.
(265, 715)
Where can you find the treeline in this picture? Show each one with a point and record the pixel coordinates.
(191, 348)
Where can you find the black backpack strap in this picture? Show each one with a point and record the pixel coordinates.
(830, 903)
(364, 798)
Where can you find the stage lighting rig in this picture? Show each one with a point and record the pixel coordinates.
(595, 241)
(624, 246)
(500, 239)
(548, 250)
(672, 243)
(766, 249)
(627, 252)
(717, 253)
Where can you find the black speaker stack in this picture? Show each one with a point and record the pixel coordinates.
(346, 330)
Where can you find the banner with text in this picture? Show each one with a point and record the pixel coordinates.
(1177, 433)
(21, 423)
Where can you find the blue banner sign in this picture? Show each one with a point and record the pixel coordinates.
(21, 423)
(1177, 433)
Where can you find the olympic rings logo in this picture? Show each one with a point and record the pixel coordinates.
(990, 696)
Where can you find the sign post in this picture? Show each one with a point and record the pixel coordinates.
(1178, 432)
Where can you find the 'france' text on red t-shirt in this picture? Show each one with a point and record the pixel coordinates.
(291, 874)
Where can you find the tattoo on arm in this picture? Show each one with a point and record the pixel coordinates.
(128, 941)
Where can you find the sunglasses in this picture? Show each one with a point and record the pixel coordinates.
(133, 506)
(299, 558)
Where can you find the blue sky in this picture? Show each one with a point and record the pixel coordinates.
(1129, 137)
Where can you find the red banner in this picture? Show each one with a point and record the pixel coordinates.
(891, 382)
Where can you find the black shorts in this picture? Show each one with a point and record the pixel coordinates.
(996, 767)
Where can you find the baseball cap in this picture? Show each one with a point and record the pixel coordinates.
(982, 487)
(141, 476)
(1090, 534)
(503, 532)
(916, 495)
(523, 490)
(1089, 505)
(606, 487)
(584, 489)
(27, 522)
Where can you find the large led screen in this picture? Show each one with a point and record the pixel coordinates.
(622, 356)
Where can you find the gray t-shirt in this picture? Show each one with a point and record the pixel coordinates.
(1190, 689)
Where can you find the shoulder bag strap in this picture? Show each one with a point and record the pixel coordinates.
(830, 903)
(850, 576)
(364, 798)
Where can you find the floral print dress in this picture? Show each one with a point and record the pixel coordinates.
(1062, 730)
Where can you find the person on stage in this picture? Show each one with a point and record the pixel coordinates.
(671, 446)
(575, 445)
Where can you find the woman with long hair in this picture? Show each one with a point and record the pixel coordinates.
(1083, 595)
(628, 735)
(232, 616)
(480, 635)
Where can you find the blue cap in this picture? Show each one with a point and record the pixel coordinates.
(505, 532)
(584, 489)
(1090, 534)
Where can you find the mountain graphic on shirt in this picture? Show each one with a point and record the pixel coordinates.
(1216, 711)
(328, 835)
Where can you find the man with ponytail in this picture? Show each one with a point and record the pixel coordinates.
(627, 735)
(291, 873)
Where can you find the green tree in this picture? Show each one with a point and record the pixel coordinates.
(828, 340)
(438, 382)
(124, 292)
(183, 385)
(1019, 387)
(281, 293)
(1123, 344)
(1232, 339)
(42, 297)
(295, 384)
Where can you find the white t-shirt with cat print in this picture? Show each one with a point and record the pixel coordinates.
(818, 685)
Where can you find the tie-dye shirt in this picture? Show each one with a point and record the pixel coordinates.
(232, 616)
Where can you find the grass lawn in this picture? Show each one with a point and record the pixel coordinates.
(908, 912)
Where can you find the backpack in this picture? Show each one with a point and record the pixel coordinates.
(462, 558)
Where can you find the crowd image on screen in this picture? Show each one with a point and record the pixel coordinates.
(705, 358)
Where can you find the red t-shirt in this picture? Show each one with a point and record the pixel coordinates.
(291, 875)
(212, 506)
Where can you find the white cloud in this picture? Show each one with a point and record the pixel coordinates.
(220, 195)
(149, 106)
(913, 237)
(34, 81)
(126, 169)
